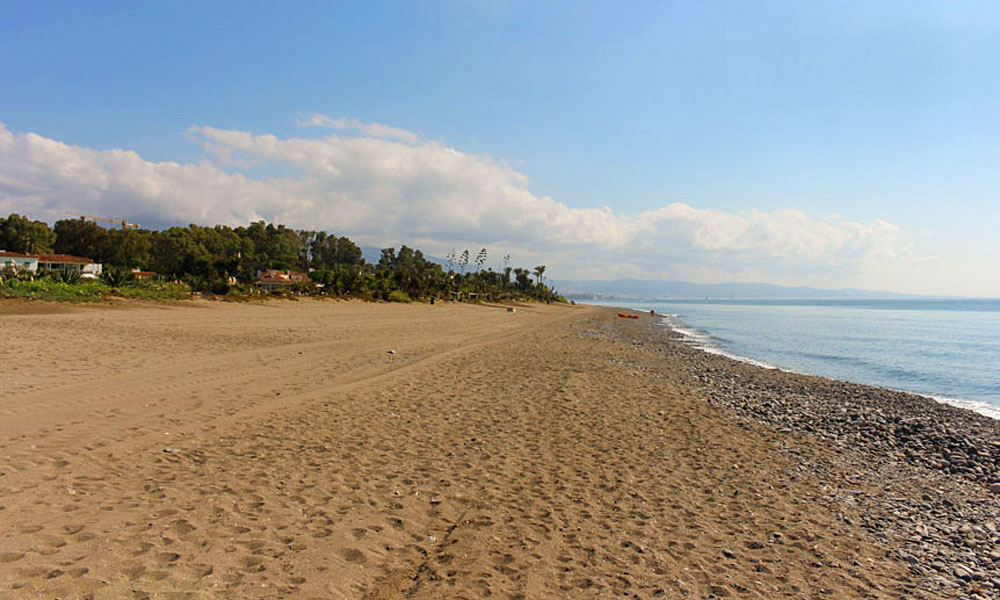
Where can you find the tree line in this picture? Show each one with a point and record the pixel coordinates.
(221, 259)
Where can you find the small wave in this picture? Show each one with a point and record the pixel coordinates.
(705, 342)
(983, 408)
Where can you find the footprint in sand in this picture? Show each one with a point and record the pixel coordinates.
(353, 555)
(182, 527)
(166, 558)
(253, 563)
(72, 528)
(9, 557)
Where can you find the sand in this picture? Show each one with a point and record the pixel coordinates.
(213, 450)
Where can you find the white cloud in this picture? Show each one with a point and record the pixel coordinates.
(345, 124)
(390, 186)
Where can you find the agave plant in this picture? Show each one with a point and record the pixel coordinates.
(117, 277)
(70, 277)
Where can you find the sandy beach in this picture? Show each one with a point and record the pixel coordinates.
(214, 450)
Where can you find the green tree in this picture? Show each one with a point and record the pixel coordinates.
(127, 248)
(523, 278)
(20, 234)
(81, 238)
(539, 273)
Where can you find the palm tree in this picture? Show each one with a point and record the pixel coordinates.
(539, 271)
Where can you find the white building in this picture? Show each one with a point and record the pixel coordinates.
(67, 262)
(51, 262)
(18, 262)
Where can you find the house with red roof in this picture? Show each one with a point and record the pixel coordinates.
(86, 267)
(274, 279)
(18, 262)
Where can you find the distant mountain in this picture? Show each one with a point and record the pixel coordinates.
(634, 289)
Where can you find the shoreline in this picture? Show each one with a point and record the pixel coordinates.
(703, 341)
(938, 464)
(277, 450)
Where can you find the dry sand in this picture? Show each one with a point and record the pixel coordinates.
(265, 451)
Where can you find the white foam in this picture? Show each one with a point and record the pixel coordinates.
(703, 341)
(984, 408)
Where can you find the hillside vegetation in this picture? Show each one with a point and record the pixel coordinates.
(227, 260)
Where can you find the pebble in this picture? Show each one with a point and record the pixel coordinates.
(922, 476)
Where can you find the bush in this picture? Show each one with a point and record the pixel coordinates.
(49, 289)
(399, 296)
(9, 275)
(61, 276)
(90, 290)
(118, 277)
(148, 289)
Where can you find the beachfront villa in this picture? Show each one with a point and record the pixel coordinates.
(67, 262)
(274, 279)
(18, 262)
(86, 267)
(140, 274)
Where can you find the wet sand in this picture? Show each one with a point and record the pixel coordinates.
(219, 450)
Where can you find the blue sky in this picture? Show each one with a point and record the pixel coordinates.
(876, 112)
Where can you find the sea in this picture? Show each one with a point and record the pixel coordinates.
(945, 349)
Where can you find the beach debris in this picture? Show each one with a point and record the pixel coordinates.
(391, 353)
(511, 309)
(172, 450)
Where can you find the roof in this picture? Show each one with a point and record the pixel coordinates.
(49, 258)
(16, 255)
(61, 258)
(281, 277)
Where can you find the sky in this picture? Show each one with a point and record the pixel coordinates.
(828, 144)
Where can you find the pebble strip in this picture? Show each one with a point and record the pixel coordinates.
(934, 468)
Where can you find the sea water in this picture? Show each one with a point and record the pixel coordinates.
(946, 349)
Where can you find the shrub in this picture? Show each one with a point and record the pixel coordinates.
(64, 276)
(118, 277)
(147, 289)
(399, 296)
(9, 275)
(49, 289)
(220, 287)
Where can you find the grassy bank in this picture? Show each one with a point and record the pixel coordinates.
(92, 290)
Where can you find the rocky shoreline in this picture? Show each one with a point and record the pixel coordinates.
(923, 476)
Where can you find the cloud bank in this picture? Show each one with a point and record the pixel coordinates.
(382, 185)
